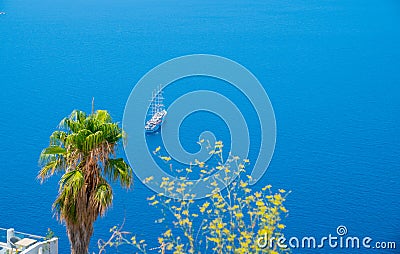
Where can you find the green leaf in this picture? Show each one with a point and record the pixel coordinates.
(118, 170)
(54, 150)
(72, 181)
(102, 116)
(104, 195)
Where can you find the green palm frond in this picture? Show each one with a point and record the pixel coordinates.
(93, 140)
(102, 116)
(57, 138)
(77, 116)
(70, 125)
(103, 196)
(54, 165)
(71, 184)
(54, 150)
(77, 140)
(112, 132)
(74, 122)
(73, 181)
(65, 207)
(52, 153)
(118, 170)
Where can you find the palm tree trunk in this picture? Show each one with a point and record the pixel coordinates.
(79, 235)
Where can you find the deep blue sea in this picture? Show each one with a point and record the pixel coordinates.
(330, 68)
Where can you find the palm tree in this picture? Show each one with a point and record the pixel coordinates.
(83, 150)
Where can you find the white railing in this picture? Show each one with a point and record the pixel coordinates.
(40, 245)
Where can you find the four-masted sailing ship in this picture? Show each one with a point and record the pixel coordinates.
(157, 112)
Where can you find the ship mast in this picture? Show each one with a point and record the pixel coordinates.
(156, 101)
(152, 104)
(160, 99)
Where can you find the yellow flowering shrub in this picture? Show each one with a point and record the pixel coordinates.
(228, 221)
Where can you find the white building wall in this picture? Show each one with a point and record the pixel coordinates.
(45, 247)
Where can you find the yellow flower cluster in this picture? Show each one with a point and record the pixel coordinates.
(229, 221)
